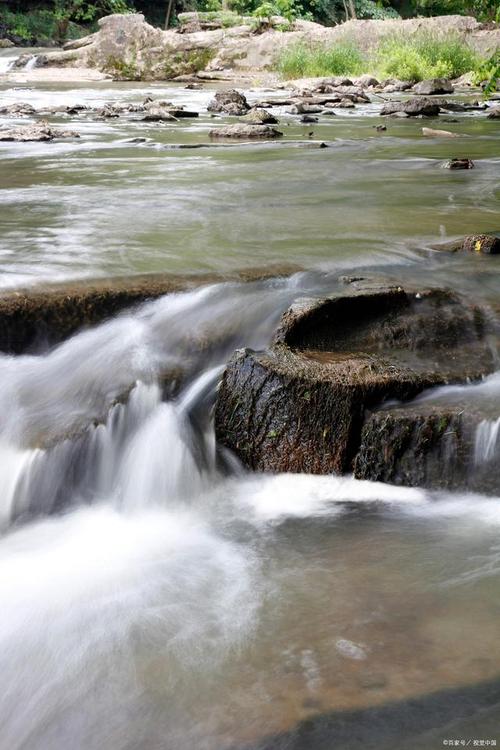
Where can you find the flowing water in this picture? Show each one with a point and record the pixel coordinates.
(154, 595)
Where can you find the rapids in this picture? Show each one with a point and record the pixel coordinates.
(154, 594)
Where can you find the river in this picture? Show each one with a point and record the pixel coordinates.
(154, 594)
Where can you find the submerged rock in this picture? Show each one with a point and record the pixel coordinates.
(433, 86)
(40, 131)
(300, 406)
(249, 132)
(230, 102)
(494, 114)
(432, 133)
(412, 107)
(459, 164)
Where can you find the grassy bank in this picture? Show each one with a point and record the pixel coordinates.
(415, 59)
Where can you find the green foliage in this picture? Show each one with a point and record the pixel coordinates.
(483, 10)
(488, 73)
(372, 9)
(425, 56)
(304, 60)
(289, 9)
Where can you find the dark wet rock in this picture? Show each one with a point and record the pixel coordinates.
(380, 128)
(260, 116)
(459, 164)
(246, 132)
(40, 131)
(18, 109)
(180, 113)
(300, 406)
(433, 86)
(494, 113)
(230, 102)
(412, 107)
(308, 119)
(32, 317)
(448, 106)
(427, 445)
(487, 244)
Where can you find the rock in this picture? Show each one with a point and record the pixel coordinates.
(487, 244)
(494, 114)
(18, 109)
(433, 86)
(159, 114)
(54, 312)
(301, 108)
(422, 445)
(380, 128)
(300, 406)
(459, 164)
(260, 117)
(366, 81)
(394, 85)
(412, 107)
(40, 131)
(230, 102)
(431, 133)
(308, 119)
(249, 132)
(5, 43)
(345, 104)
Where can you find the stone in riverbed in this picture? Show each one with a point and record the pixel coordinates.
(432, 133)
(158, 114)
(459, 164)
(260, 116)
(494, 114)
(412, 107)
(248, 132)
(230, 102)
(394, 85)
(40, 131)
(487, 244)
(300, 405)
(18, 109)
(433, 86)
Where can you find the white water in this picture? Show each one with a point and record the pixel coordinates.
(166, 605)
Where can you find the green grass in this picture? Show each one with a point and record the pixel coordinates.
(424, 56)
(306, 60)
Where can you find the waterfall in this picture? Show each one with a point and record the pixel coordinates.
(486, 440)
(6, 63)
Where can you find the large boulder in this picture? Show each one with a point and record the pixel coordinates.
(415, 107)
(230, 102)
(301, 405)
(433, 86)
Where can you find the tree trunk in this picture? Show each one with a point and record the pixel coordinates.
(168, 16)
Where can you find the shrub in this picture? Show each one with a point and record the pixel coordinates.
(425, 56)
(303, 60)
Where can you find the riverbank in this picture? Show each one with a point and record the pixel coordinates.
(127, 48)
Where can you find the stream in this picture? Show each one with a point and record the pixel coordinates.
(155, 595)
